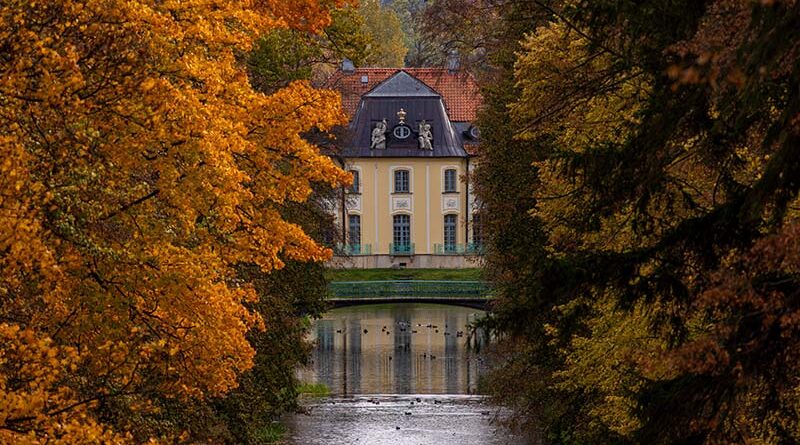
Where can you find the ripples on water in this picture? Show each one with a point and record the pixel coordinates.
(399, 374)
(399, 420)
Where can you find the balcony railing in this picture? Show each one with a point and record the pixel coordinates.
(401, 249)
(353, 249)
(458, 249)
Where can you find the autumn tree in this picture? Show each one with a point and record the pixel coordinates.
(140, 168)
(478, 30)
(289, 299)
(659, 186)
(381, 24)
(285, 55)
(422, 50)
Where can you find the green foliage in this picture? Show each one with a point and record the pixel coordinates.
(272, 433)
(347, 37)
(285, 55)
(387, 46)
(516, 261)
(270, 388)
(367, 35)
(280, 57)
(422, 50)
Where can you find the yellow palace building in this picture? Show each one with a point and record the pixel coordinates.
(408, 149)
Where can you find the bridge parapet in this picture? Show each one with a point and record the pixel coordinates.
(409, 288)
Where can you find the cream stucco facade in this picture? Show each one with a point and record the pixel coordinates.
(411, 205)
(426, 203)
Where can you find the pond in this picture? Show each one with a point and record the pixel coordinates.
(398, 374)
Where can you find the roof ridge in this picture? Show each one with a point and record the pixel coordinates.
(396, 78)
(459, 91)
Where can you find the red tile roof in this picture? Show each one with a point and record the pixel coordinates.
(459, 90)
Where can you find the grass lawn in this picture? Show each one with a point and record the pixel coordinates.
(404, 274)
(271, 433)
(314, 389)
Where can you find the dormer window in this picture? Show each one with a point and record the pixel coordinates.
(401, 132)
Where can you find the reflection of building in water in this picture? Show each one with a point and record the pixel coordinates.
(322, 361)
(350, 358)
(452, 358)
(398, 353)
(404, 375)
(376, 356)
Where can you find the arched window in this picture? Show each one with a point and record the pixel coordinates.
(450, 180)
(402, 181)
(356, 186)
(450, 227)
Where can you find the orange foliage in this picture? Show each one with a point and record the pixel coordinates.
(138, 166)
(32, 402)
(748, 344)
(758, 290)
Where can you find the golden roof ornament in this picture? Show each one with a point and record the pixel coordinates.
(401, 116)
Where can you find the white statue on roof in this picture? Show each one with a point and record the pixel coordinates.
(425, 136)
(379, 136)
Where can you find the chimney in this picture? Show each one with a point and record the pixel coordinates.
(453, 61)
(347, 66)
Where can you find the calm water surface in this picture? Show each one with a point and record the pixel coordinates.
(398, 374)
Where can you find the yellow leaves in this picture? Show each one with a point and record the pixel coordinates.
(310, 15)
(609, 361)
(32, 397)
(148, 84)
(576, 96)
(139, 168)
(555, 65)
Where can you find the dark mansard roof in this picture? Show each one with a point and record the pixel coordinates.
(459, 90)
(419, 102)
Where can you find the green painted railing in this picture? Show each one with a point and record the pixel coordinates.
(458, 249)
(409, 288)
(353, 249)
(401, 249)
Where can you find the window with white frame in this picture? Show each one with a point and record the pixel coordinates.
(450, 180)
(356, 186)
(450, 227)
(402, 181)
(401, 235)
(354, 230)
